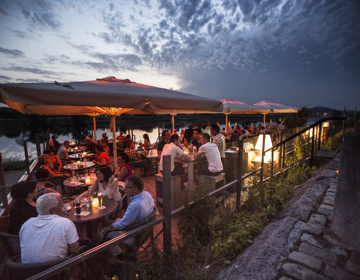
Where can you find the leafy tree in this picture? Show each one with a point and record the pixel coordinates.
(297, 120)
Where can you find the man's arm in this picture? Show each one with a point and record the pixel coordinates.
(185, 157)
(73, 248)
(131, 214)
(199, 154)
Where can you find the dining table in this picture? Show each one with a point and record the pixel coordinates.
(81, 155)
(90, 217)
(76, 184)
(84, 165)
(191, 169)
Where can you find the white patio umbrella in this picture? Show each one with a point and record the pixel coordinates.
(275, 108)
(237, 107)
(109, 96)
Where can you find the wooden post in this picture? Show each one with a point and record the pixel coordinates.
(166, 190)
(319, 143)
(262, 157)
(239, 183)
(43, 139)
(47, 139)
(26, 158)
(3, 184)
(37, 143)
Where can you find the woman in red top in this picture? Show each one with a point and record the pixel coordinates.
(124, 170)
(102, 157)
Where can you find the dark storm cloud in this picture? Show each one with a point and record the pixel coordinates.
(3, 12)
(31, 70)
(40, 14)
(11, 53)
(5, 79)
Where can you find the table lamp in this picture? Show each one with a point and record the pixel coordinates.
(259, 146)
(78, 163)
(95, 202)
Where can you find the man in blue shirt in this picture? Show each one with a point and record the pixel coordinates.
(139, 209)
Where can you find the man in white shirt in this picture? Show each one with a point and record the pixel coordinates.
(62, 152)
(211, 152)
(48, 236)
(173, 149)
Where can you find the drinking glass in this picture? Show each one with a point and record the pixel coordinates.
(100, 197)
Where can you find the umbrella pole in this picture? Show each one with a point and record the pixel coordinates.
(226, 122)
(113, 125)
(173, 122)
(94, 126)
(264, 120)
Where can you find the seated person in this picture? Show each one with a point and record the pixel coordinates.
(173, 149)
(103, 158)
(165, 139)
(23, 207)
(54, 144)
(91, 138)
(124, 170)
(62, 152)
(42, 185)
(121, 137)
(55, 162)
(137, 157)
(44, 160)
(212, 155)
(196, 139)
(139, 209)
(49, 236)
(90, 145)
(104, 137)
(147, 144)
(105, 184)
(105, 146)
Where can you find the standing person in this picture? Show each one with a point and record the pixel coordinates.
(211, 152)
(140, 208)
(205, 129)
(62, 152)
(173, 149)
(54, 144)
(165, 139)
(219, 140)
(24, 206)
(49, 236)
(103, 158)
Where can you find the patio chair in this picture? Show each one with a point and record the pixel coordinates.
(21, 271)
(141, 237)
(10, 242)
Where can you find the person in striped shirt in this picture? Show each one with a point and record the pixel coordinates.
(219, 140)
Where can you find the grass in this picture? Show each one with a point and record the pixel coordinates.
(15, 165)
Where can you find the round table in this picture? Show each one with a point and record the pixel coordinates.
(80, 156)
(94, 215)
(73, 185)
(85, 165)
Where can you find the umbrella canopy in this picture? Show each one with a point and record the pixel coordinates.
(101, 95)
(109, 96)
(237, 107)
(275, 108)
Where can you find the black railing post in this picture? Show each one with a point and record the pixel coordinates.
(312, 147)
(320, 129)
(239, 175)
(26, 158)
(166, 190)
(262, 158)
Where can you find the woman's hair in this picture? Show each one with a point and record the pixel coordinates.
(146, 136)
(42, 174)
(124, 156)
(106, 171)
(22, 189)
(100, 148)
(41, 159)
